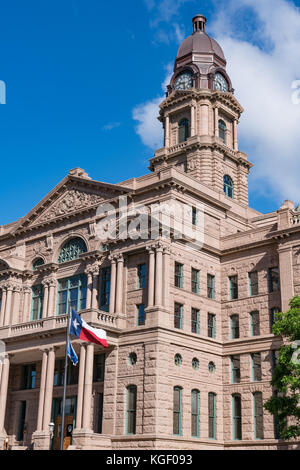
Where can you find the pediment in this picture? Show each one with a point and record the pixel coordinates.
(71, 196)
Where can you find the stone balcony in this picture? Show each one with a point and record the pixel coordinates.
(96, 318)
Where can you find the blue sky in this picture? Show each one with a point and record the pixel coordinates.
(77, 73)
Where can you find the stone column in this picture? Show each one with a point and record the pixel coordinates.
(80, 386)
(51, 297)
(151, 276)
(16, 305)
(3, 303)
(204, 120)
(7, 313)
(216, 122)
(119, 290)
(235, 135)
(3, 391)
(89, 287)
(42, 392)
(88, 387)
(286, 276)
(112, 286)
(95, 287)
(166, 276)
(49, 389)
(158, 275)
(26, 305)
(193, 120)
(167, 131)
(45, 299)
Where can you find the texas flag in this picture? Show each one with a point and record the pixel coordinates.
(86, 332)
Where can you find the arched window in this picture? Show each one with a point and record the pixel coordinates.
(183, 130)
(37, 262)
(222, 131)
(131, 409)
(177, 411)
(195, 411)
(237, 417)
(71, 250)
(228, 186)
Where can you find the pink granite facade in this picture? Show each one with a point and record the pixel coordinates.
(176, 318)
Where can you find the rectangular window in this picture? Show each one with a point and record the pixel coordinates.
(195, 281)
(212, 418)
(235, 369)
(178, 316)
(28, 375)
(237, 417)
(59, 372)
(37, 302)
(253, 283)
(177, 411)
(21, 425)
(234, 327)
(254, 324)
(178, 275)
(256, 367)
(131, 409)
(195, 412)
(105, 289)
(195, 321)
(274, 280)
(141, 276)
(73, 290)
(140, 315)
(273, 312)
(211, 325)
(211, 286)
(99, 367)
(233, 288)
(258, 415)
(194, 216)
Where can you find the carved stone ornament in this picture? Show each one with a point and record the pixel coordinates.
(194, 164)
(74, 200)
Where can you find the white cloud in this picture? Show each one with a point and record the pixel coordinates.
(262, 78)
(262, 62)
(166, 11)
(149, 128)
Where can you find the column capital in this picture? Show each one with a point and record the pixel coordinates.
(27, 289)
(113, 257)
(17, 288)
(52, 281)
(150, 248)
(92, 269)
(45, 283)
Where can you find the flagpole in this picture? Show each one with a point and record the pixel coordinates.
(65, 381)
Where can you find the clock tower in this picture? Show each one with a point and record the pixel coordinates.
(200, 116)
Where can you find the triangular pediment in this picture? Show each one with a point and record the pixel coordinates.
(71, 196)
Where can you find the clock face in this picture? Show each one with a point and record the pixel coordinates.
(220, 83)
(184, 81)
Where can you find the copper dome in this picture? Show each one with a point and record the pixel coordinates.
(199, 41)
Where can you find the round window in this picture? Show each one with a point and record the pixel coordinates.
(211, 367)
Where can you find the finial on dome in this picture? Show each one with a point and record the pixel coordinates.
(199, 22)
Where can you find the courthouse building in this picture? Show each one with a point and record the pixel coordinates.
(190, 346)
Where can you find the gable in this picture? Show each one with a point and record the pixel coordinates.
(71, 196)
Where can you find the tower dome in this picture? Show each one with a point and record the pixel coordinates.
(200, 62)
(200, 42)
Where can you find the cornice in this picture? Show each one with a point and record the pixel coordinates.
(179, 96)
